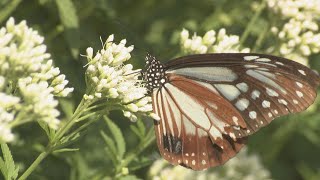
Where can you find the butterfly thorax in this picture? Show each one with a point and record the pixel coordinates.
(153, 73)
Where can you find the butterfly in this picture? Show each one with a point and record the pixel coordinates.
(209, 104)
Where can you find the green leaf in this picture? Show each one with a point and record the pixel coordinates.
(49, 132)
(111, 148)
(7, 8)
(136, 131)
(67, 107)
(7, 166)
(139, 129)
(70, 21)
(117, 136)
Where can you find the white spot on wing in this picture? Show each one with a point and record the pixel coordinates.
(282, 101)
(243, 86)
(250, 66)
(299, 93)
(232, 136)
(242, 104)
(212, 105)
(235, 120)
(280, 63)
(302, 72)
(229, 91)
(215, 133)
(255, 94)
(249, 58)
(265, 104)
(207, 73)
(268, 64)
(264, 79)
(253, 114)
(263, 60)
(271, 92)
(299, 84)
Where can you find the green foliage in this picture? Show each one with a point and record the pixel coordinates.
(7, 166)
(70, 22)
(117, 135)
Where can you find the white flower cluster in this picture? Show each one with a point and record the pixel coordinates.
(243, 166)
(298, 9)
(211, 42)
(109, 78)
(8, 108)
(28, 80)
(299, 33)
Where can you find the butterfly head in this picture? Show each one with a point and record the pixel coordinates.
(153, 73)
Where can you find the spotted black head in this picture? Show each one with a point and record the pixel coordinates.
(153, 73)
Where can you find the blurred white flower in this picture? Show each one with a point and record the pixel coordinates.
(28, 80)
(298, 9)
(243, 166)
(109, 78)
(299, 33)
(211, 42)
(8, 107)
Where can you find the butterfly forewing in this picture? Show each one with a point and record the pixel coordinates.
(260, 87)
(208, 104)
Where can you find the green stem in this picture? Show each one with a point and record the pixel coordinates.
(251, 24)
(260, 39)
(34, 165)
(82, 105)
(149, 138)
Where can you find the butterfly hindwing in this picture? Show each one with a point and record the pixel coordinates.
(188, 133)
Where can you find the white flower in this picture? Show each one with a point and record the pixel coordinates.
(27, 71)
(39, 101)
(210, 43)
(243, 166)
(298, 9)
(8, 108)
(111, 79)
(299, 33)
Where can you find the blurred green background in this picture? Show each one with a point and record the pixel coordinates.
(289, 147)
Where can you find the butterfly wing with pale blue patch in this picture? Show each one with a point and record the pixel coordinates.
(208, 104)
